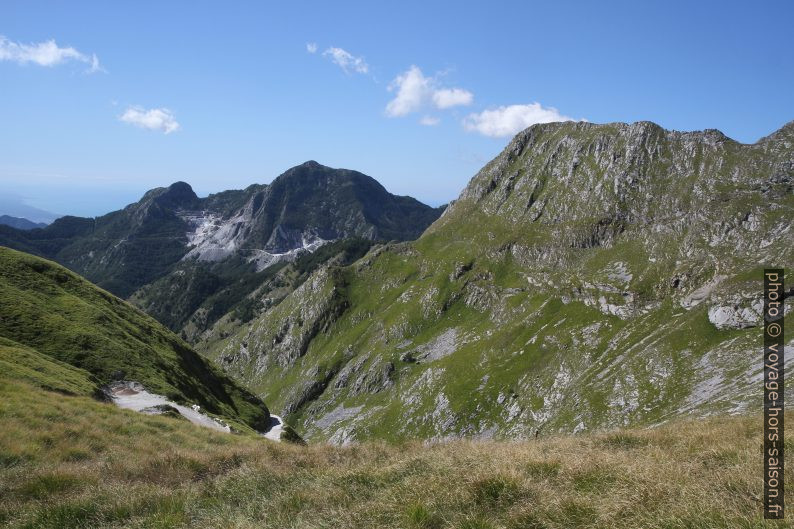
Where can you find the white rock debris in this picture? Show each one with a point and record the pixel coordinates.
(735, 316)
(214, 238)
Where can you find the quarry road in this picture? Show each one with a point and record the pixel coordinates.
(132, 396)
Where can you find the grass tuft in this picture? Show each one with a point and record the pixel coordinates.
(495, 491)
(623, 440)
(542, 469)
(420, 517)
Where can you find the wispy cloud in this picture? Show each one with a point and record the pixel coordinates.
(509, 120)
(347, 61)
(311, 47)
(46, 53)
(429, 121)
(160, 119)
(416, 92)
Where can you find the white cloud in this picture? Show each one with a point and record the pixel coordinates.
(311, 47)
(509, 120)
(160, 119)
(346, 60)
(415, 92)
(413, 89)
(46, 53)
(429, 121)
(450, 97)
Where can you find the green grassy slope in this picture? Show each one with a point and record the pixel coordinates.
(51, 319)
(579, 282)
(23, 364)
(73, 462)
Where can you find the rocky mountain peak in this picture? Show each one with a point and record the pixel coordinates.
(178, 195)
(315, 174)
(307, 168)
(586, 173)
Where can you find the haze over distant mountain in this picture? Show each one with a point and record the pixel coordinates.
(14, 206)
(20, 223)
(590, 276)
(299, 211)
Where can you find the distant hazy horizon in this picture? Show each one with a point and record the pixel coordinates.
(30, 201)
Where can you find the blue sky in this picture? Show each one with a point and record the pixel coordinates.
(101, 101)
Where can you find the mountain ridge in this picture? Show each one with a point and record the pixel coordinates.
(589, 276)
(132, 247)
(20, 223)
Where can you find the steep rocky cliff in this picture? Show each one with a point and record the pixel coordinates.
(589, 276)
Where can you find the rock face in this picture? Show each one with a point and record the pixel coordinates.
(589, 276)
(310, 204)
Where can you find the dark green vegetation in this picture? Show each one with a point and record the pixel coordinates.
(119, 251)
(128, 249)
(193, 297)
(69, 461)
(591, 276)
(216, 288)
(70, 336)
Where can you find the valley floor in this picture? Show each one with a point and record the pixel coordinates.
(71, 461)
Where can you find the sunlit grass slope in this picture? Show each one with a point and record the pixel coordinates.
(52, 319)
(71, 461)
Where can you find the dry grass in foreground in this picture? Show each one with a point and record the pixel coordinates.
(74, 462)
